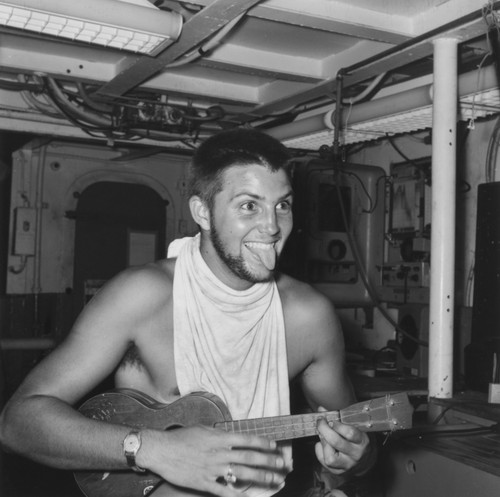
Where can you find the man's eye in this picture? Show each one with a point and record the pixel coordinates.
(249, 206)
(284, 206)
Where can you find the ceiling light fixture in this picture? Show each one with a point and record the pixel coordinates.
(140, 28)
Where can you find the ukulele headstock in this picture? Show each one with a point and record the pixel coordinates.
(389, 413)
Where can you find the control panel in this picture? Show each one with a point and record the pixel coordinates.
(405, 274)
(415, 274)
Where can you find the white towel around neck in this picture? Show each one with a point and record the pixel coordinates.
(228, 342)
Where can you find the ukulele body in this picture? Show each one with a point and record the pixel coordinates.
(135, 409)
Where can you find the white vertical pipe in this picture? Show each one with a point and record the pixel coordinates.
(442, 293)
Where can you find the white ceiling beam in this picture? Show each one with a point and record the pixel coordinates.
(207, 84)
(444, 13)
(289, 66)
(334, 17)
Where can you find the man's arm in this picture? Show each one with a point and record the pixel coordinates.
(326, 385)
(39, 421)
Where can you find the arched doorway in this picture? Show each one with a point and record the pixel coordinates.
(117, 225)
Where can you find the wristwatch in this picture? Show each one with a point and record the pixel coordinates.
(131, 445)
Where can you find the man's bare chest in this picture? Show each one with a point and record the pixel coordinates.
(149, 364)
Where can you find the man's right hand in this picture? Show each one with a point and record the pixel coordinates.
(201, 458)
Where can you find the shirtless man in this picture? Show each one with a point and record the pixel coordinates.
(242, 201)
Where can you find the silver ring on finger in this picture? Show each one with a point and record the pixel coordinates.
(230, 477)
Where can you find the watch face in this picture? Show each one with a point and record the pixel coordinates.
(131, 443)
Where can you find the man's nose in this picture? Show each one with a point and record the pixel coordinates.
(269, 222)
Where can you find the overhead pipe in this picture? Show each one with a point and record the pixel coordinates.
(106, 123)
(389, 105)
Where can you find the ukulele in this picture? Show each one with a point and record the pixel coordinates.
(135, 409)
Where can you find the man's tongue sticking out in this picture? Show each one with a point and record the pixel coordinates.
(265, 252)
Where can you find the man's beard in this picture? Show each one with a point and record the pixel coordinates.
(236, 264)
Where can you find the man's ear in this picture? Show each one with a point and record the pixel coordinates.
(200, 212)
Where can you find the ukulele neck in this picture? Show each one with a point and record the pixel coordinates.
(384, 414)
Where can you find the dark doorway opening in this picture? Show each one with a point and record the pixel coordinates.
(117, 225)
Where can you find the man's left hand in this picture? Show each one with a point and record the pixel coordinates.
(343, 447)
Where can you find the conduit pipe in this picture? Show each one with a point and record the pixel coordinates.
(442, 294)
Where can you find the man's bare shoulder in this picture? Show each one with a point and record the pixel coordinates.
(301, 296)
(304, 307)
(148, 283)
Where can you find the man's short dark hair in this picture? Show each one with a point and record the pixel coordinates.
(236, 147)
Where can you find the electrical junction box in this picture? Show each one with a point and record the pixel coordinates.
(25, 231)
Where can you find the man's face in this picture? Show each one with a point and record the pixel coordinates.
(249, 224)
